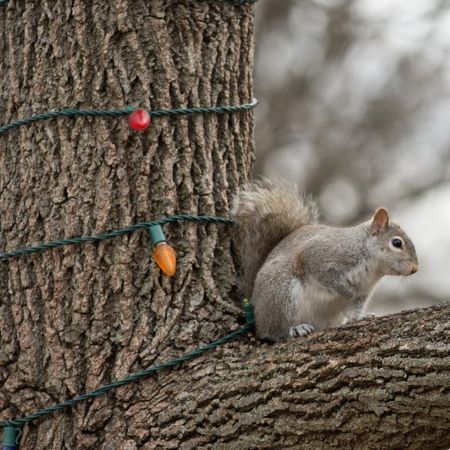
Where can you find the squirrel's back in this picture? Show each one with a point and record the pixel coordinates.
(266, 212)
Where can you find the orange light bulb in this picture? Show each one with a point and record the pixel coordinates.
(165, 256)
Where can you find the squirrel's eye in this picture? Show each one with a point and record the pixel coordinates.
(397, 243)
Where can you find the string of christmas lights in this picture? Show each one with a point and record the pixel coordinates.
(232, 2)
(12, 432)
(139, 119)
(165, 259)
(163, 254)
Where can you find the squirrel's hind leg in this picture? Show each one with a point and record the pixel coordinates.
(301, 330)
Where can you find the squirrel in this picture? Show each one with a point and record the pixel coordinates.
(302, 276)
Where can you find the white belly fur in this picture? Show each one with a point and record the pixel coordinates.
(316, 305)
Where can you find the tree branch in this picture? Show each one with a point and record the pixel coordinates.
(378, 383)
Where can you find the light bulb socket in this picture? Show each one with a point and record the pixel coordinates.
(156, 234)
(11, 437)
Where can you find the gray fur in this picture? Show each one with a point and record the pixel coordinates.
(301, 274)
(267, 212)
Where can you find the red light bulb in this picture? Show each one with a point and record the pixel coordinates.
(139, 120)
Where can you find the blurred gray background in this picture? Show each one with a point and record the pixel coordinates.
(355, 108)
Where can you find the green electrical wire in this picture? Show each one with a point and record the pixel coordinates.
(111, 234)
(139, 375)
(126, 111)
(147, 372)
(233, 2)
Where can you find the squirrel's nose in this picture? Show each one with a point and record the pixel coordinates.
(414, 268)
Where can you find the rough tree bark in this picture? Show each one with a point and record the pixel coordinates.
(75, 318)
(375, 384)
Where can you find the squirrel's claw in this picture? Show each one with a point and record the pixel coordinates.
(301, 330)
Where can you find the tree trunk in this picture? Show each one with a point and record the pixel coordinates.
(75, 318)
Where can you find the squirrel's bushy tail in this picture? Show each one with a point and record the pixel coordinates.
(266, 212)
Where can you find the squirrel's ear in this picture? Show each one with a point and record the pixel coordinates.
(380, 221)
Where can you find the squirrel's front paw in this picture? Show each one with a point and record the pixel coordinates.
(301, 330)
